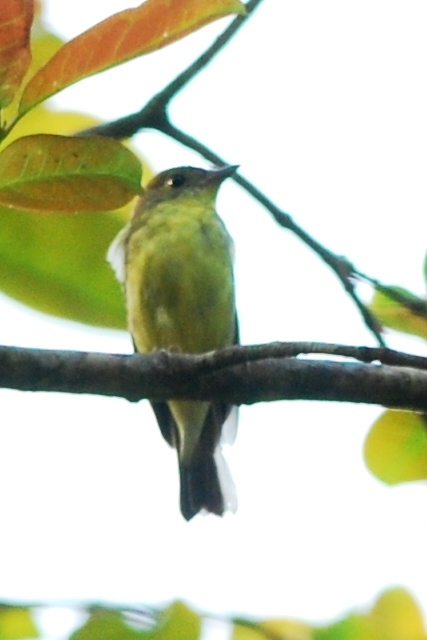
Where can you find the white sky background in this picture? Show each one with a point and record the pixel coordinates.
(324, 107)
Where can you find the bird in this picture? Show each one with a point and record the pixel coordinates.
(175, 262)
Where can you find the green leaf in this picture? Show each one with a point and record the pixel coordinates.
(104, 624)
(353, 627)
(57, 264)
(396, 447)
(64, 174)
(178, 622)
(396, 315)
(122, 37)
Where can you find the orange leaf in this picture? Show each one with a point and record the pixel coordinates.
(60, 174)
(15, 54)
(121, 37)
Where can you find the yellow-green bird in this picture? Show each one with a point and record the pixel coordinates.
(174, 259)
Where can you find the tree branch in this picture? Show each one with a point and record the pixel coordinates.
(240, 375)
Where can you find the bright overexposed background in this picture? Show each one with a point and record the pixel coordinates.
(324, 107)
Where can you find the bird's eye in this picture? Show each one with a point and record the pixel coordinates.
(176, 180)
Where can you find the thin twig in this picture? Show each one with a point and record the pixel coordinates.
(253, 353)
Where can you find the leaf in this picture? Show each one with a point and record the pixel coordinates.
(122, 37)
(104, 624)
(253, 631)
(177, 622)
(398, 616)
(57, 265)
(15, 54)
(43, 120)
(44, 45)
(64, 174)
(279, 629)
(396, 447)
(397, 316)
(16, 623)
(353, 627)
(287, 630)
(395, 616)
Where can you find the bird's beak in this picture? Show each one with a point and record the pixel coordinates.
(216, 176)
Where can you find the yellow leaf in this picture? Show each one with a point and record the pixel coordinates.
(44, 120)
(396, 447)
(287, 629)
(16, 623)
(398, 616)
(398, 316)
(248, 632)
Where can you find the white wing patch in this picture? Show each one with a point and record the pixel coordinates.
(116, 255)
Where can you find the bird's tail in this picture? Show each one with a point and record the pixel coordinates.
(200, 486)
(206, 484)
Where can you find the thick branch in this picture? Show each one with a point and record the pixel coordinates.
(164, 375)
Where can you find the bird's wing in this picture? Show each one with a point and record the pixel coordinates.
(166, 422)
